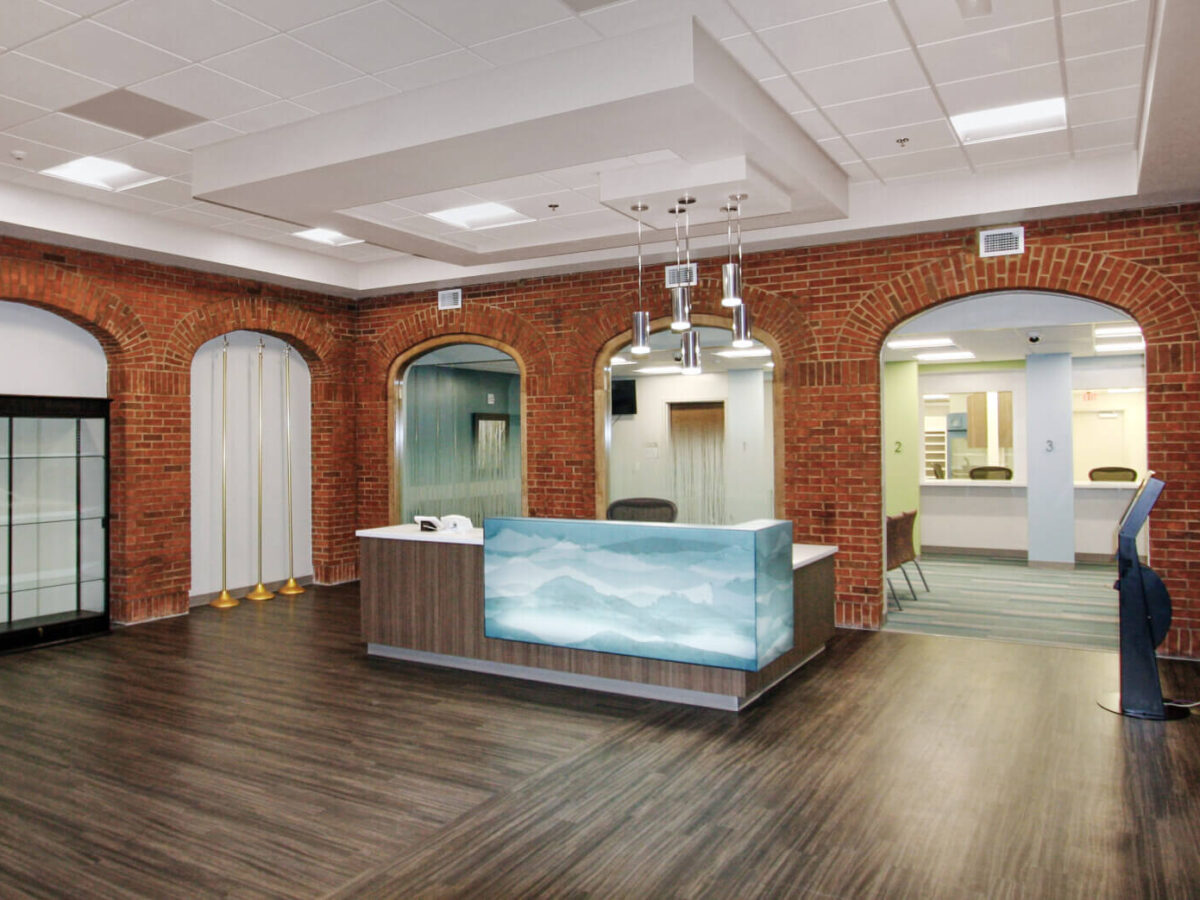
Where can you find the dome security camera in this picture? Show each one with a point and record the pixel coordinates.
(1033, 336)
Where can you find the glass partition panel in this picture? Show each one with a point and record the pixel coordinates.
(91, 488)
(965, 431)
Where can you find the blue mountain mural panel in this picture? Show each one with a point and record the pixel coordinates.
(694, 594)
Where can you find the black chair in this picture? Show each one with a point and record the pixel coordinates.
(642, 509)
(900, 549)
(1112, 473)
(990, 473)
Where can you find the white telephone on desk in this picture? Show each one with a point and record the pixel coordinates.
(445, 523)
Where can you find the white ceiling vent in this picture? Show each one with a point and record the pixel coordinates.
(682, 275)
(451, 299)
(1002, 241)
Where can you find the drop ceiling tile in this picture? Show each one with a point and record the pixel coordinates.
(614, 19)
(37, 156)
(654, 156)
(436, 201)
(840, 151)
(25, 20)
(151, 156)
(435, 70)
(816, 125)
(283, 66)
(1106, 28)
(365, 253)
(13, 112)
(195, 29)
(950, 159)
(885, 112)
(346, 94)
(858, 171)
(172, 193)
(992, 52)
(931, 22)
(511, 188)
(1122, 132)
(754, 57)
(249, 229)
(851, 34)
(536, 42)
(587, 174)
(69, 133)
(1031, 146)
(33, 81)
(861, 79)
(1072, 6)
(472, 22)
(423, 225)
(197, 136)
(770, 13)
(101, 53)
(1004, 89)
(1104, 71)
(86, 7)
(570, 203)
(1087, 109)
(922, 136)
(204, 92)
(288, 14)
(787, 93)
(189, 216)
(375, 37)
(269, 116)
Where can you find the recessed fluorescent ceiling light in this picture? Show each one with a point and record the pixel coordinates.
(745, 354)
(918, 343)
(1011, 121)
(1117, 331)
(1121, 347)
(936, 397)
(106, 174)
(480, 216)
(326, 236)
(660, 370)
(945, 357)
(620, 361)
(1123, 391)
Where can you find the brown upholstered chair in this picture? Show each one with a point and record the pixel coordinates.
(900, 550)
(1112, 473)
(642, 509)
(990, 473)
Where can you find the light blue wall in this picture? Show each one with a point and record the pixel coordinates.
(1051, 491)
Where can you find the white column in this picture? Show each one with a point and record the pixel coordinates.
(1051, 486)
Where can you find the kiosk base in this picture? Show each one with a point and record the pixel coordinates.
(1112, 702)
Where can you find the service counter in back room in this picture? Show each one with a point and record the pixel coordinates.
(992, 517)
(705, 615)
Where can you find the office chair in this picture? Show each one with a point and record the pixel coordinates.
(900, 550)
(642, 509)
(990, 473)
(1112, 473)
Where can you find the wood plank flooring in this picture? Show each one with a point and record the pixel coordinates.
(257, 752)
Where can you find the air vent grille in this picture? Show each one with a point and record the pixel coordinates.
(1002, 241)
(451, 299)
(683, 275)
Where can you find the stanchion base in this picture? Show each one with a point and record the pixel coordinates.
(225, 600)
(1112, 703)
(260, 592)
(290, 587)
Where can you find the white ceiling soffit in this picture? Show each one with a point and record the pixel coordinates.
(664, 111)
(1172, 123)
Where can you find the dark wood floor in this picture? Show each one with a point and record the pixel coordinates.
(259, 752)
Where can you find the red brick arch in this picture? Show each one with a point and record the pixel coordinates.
(1169, 323)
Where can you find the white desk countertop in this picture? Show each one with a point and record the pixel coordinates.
(802, 554)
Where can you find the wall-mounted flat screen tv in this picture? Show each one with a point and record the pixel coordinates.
(624, 397)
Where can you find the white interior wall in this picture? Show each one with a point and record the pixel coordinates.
(639, 445)
(45, 355)
(242, 447)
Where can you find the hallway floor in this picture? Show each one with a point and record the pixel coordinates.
(1004, 599)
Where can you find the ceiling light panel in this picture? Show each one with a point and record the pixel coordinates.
(1018, 120)
(1121, 347)
(327, 236)
(1116, 330)
(945, 356)
(105, 174)
(919, 343)
(479, 216)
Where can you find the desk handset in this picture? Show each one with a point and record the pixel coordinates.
(445, 523)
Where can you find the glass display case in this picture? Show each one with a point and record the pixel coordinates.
(53, 519)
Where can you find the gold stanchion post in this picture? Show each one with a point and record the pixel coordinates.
(260, 591)
(290, 587)
(225, 599)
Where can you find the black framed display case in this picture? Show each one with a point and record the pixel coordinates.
(53, 519)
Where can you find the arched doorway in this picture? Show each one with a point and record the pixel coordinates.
(706, 441)
(284, 553)
(457, 435)
(999, 412)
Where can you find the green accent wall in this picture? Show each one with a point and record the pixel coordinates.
(902, 427)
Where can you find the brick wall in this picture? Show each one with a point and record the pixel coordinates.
(827, 309)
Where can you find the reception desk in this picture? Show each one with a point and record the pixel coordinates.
(423, 600)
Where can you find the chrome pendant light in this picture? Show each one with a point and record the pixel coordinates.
(691, 353)
(741, 327)
(681, 296)
(731, 272)
(641, 318)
